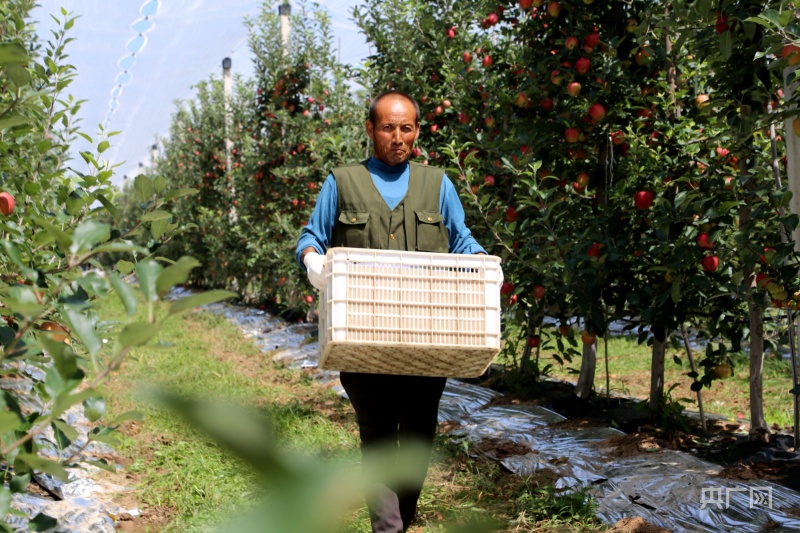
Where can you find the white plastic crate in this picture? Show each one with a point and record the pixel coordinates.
(412, 313)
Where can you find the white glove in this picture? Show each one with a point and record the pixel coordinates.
(315, 265)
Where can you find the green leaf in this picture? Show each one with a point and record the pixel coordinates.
(158, 214)
(675, 292)
(103, 464)
(179, 193)
(136, 334)
(83, 328)
(136, 416)
(8, 422)
(42, 522)
(125, 267)
(124, 292)
(144, 187)
(110, 207)
(12, 252)
(13, 54)
(63, 239)
(160, 184)
(19, 75)
(13, 120)
(103, 146)
(70, 432)
(19, 483)
(66, 364)
(148, 272)
(726, 44)
(88, 235)
(175, 274)
(196, 300)
(41, 464)
(94, 408)
(158, 228)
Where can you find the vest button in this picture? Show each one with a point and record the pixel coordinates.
(430, 219)
(391, 236)
(353, 219)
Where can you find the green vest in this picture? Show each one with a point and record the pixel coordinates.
(365, 221)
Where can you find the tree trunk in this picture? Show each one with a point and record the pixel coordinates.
(583, 389)
(759, 431)
(657, 377)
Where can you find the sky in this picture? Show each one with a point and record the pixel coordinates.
(136, 58)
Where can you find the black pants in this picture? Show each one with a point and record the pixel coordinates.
(394, 411)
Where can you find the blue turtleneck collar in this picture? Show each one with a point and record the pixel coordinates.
(386, 171)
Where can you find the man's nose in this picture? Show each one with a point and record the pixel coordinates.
(396, 136)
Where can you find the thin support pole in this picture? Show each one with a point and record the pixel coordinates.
(685, 335)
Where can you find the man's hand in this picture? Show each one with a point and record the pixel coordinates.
(315, 265)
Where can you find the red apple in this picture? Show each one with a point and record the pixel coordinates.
(617, 137)
(486, 61)
(511, 214)
(438, 110)
(722, 152)
(704, 242)
(525, 4)
(762, 280)
(597, 112)
(710, 263)
(489, 120)
(434, 128)
(768, 254)
(522, 100)
(571, 42)
(644, 56)
(507, 288)
(415, 152)
(538, 292)
(592, 40)
(492, 19)
(309, 299)
(466, 57)
(643, 200)
(488, 181)
(572, 135)
(556, 77)
(554, 8)
(451, 32)
(722, 23)
(582, 65)
(546, 104)
(594, 250)
(6, 203)
(701, 101)
(791, 53)
(463, 118)
(583, 178)
(573, 88)
(534, 341)
(588, 337)
(577, 187)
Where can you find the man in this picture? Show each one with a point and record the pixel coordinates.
(388, 203)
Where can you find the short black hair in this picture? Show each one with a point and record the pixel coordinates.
(392, 92)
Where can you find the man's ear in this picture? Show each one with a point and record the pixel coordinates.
(370, 131)
(417, 135)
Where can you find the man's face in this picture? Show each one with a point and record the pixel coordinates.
(395, 130)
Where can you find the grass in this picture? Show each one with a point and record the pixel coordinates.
(194, 485)
(629, 375)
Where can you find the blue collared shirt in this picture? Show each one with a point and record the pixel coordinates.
(392, 183)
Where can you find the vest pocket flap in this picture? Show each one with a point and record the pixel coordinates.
(354, 217)
(429, 217)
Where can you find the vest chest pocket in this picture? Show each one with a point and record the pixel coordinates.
(353, 229)
(432, 235)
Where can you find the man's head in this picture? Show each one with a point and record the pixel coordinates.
(393, 126)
